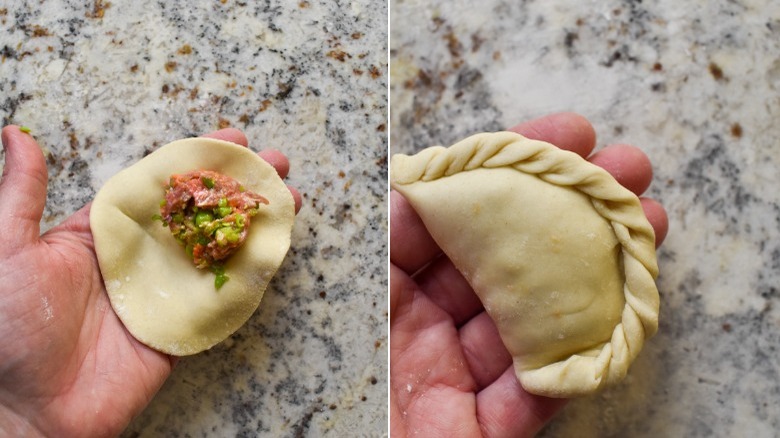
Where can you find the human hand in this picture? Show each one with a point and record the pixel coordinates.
(68, 367)
(450, 373)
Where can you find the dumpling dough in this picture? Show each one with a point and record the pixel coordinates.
(560, 254)
(154, 288)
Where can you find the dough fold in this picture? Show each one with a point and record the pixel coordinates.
(163, 300)
(560, 254)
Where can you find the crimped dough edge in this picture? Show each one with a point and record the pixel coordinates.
(594, 368)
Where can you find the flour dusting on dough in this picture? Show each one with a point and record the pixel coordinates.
(117, 299)
(119, 308)
(113, 285)
(48, 312)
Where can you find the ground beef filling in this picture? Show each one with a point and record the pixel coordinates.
(209, 214)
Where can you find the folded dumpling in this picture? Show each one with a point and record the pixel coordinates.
(560, 254)
(161, 297)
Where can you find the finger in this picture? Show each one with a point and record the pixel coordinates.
(282, 165)
(278, 160)
(628, 164)
(568, 131)
(76, 226)
(506, 409)
(485, 354)
(232, 135)
(296, 198)
(656, 215)
(401, 290)
(22, 188)
(411, 246)
(447, 288)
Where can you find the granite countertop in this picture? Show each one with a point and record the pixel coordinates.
(101, 84)
(696, 85)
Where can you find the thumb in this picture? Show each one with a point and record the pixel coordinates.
(22, 188)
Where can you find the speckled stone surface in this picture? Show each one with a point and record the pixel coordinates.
(696, 85)
(101, 84)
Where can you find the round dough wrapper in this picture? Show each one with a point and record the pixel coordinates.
(560, 254)
(154, 288)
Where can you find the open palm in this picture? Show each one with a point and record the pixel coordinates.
(450, 374)
(68, 367)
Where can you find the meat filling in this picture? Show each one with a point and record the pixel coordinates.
(209, 214)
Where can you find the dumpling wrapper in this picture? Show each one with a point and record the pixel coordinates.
(560, 254)
(163, 300)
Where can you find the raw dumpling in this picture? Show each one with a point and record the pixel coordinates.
(154, 288)
(560, 254)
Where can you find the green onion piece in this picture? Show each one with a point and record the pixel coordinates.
(223, 211)
(225, 235)
(220, 278)
(220, 237)
(240, 221)
(178, 218)
(25, 129)
(203, 217)
(156, 217)
(208, 182)
(232, 235)
(222, 203)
